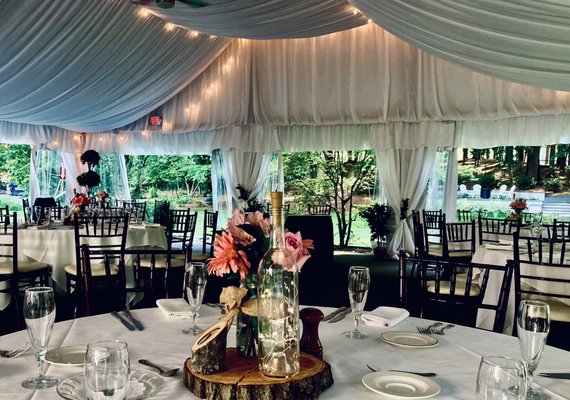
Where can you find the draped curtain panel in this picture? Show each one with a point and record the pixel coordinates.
(524, 41)
(92, 65)
(404, 175)
(450, 190)
(264, 19)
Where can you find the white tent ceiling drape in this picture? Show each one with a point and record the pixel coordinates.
(524, 41)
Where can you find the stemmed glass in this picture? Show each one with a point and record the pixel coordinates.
(358, 284)
(39, 314)
(501, 378)
(195, 278)
(533, 325)
(37, 214)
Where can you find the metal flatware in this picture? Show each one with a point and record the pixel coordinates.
(162, 370)
(555, 375)
(126, 323)
(335, 312)
(442, 329)
(340, 315)
(133, 320)
(429, 374)
(429, 329)
(18, 351)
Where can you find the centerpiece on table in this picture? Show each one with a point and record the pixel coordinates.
(103, 199)
(237, 254)
(518, 206)
(88, 180)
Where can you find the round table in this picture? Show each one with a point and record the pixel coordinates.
(455, 359)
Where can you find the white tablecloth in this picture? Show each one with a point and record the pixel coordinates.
(455, 359)
(56, 247)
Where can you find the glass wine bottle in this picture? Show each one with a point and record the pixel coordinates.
(278, 303)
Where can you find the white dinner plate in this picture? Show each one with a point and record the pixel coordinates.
(410, 340)
(401, 385)
(70, 355)
(142, 384)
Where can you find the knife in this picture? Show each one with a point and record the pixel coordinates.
(340, 315)
(555, 375)
(134, 321)
(335, 312)
(123, 321)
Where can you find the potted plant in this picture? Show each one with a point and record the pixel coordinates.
(378, 217)
(488, 183)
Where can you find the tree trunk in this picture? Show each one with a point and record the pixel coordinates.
(509, 155)
(465, 155)
(520, 154)
(533, 163)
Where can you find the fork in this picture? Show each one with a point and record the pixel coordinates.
(428, 330)
(15, 352)
(441, 330)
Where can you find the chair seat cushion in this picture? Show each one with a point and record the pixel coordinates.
(445, 288)
(200, 256)
(97, 269)
(160, 262)
(23, 266)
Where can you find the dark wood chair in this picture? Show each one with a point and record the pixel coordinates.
(102, 293)
(136, 209)
(542, 272)
(160, 212)
(464, 216)
(491, 230)
(18, 274)
(320, 209)
(434, 227)
(459, 241)
(529, 218)
(452, 291)
(561, 230)
(208, 236)
(418, 230)
(26, 208)
(106, 236)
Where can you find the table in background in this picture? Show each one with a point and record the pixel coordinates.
(455, 359)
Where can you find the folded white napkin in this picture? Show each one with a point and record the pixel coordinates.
(491, 246)
(385, 317)
(175, 308)
(505, 242)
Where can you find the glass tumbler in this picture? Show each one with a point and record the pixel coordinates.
(106, 371)
(501, 378)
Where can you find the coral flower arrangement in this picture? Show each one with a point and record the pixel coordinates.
(240, 247)
(518, 205)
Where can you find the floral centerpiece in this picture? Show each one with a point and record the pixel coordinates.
(518, 205)
(237, 253)
(78, 204)
(102, 198)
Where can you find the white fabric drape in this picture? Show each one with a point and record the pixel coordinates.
(449, 206)
(263, 19)
(34, 183)
(404, 175)
(92, 65)
(520, 40)
(73, 167)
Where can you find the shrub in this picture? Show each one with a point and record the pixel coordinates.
(553, 184)
(487, 181)
(524, 182)
(466, 175)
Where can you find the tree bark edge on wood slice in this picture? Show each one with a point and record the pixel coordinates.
(243, 381)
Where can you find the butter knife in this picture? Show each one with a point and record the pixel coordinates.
(129, 326)
(335, 312)
(555, 375)
(133, 320)
(340, 315)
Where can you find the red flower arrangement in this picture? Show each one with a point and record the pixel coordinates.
(518, 204)
(80, 200)
(240, 247)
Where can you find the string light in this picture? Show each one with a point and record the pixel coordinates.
(369, 21)
(356, 11)
(143, 13)
(193, 33)
(169, 26)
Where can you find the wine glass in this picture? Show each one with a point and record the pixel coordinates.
(501, 378)
(37, 214)
(358, 284)
(47, 216)
(195, 278)
(533, 325)
(39, 314)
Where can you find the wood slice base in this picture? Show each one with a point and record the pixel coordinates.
(243, 381)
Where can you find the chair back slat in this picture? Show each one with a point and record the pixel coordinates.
(491, 229)
(319, 209)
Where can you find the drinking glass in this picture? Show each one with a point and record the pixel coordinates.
(37, 214)
(501, 378)
(47, 216)
(29, 214)
(358, 284)
(195, 278)
(106, 370)
(39, 314)
(533, 325)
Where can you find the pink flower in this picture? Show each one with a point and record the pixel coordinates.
(240, 236)
(227, 257)
(259, 221)
(297, 247)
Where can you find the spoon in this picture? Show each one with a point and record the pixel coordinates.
(163, 371)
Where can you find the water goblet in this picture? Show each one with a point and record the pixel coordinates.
(195, 278)
(37, 214)
(501, 378)
(358, 284)
(533, 325)
(47, 216)
(39, 314)
(106, 370)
